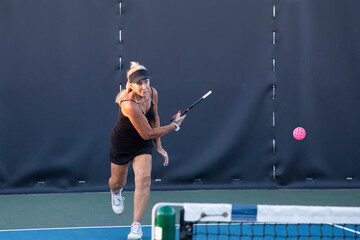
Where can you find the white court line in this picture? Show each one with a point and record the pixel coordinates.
(65, 228)
(347, 229)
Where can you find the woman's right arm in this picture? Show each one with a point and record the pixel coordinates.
(141, 124)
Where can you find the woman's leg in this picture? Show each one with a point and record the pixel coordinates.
(142, 165)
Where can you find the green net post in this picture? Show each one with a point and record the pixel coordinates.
(165, 223)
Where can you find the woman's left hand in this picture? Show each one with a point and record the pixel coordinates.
(165, 155)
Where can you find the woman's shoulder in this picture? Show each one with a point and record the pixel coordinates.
(128, 107)
(128, 101)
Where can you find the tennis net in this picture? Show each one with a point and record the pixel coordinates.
(227, 222)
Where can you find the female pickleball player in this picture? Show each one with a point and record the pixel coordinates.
(137, 127)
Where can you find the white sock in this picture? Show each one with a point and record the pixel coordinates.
(117, 191)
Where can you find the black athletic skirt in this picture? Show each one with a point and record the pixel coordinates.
(122, 157)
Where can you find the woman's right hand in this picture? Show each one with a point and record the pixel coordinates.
(178, 119)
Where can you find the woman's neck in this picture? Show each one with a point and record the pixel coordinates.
(139, 98)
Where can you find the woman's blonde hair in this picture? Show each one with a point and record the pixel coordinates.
(134, 66)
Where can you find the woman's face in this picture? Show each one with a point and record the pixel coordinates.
(141, 87)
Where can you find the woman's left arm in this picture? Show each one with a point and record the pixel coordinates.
(156, 123)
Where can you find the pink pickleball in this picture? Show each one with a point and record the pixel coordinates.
(299, 133)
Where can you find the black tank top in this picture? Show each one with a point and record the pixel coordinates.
(125, 138)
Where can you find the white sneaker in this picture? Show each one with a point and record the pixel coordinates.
(136, 232)
(117, 202)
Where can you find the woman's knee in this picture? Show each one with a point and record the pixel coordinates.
(118, 176)
(116, 183)
(143, 181)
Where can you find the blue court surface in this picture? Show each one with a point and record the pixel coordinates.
(86, 233)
